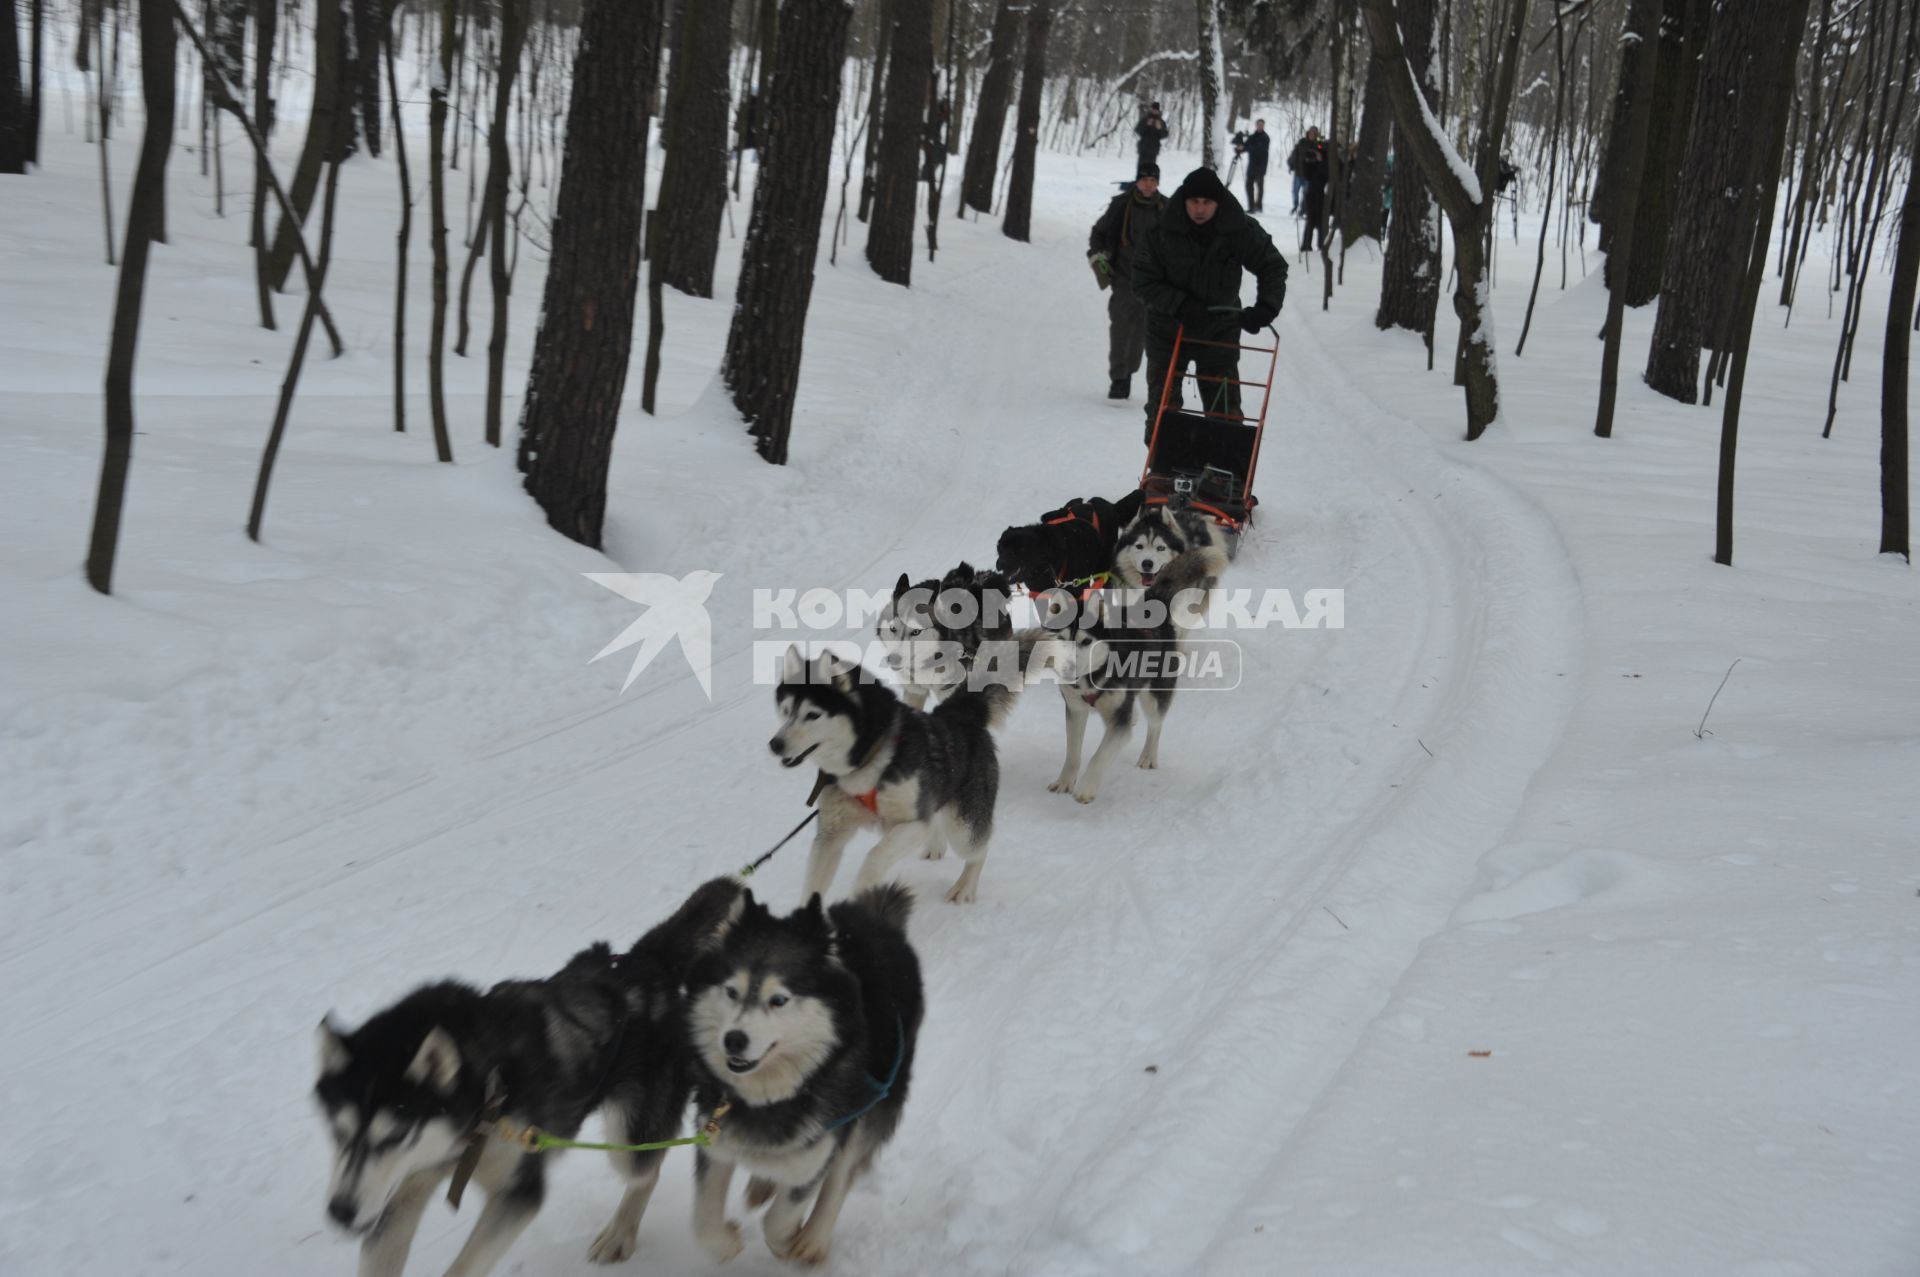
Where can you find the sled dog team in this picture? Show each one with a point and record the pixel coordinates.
(792, 1036)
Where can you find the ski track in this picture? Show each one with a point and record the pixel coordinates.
(1071, 1039)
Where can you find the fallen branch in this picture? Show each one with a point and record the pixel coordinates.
(1701, 731)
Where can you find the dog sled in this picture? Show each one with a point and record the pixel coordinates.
(1204, 459)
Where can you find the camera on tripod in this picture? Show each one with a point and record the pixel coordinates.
(1240, 141)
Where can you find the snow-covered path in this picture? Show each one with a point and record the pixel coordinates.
(266, 782)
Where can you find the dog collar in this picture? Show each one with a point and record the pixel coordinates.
(476, 1140)
(871, 799)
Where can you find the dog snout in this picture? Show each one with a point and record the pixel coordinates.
(1146, 565)
(736, 1042)
(778, 746)
(894, 660)
(342, 1211)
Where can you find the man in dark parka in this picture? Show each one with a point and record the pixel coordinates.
(1187, 273)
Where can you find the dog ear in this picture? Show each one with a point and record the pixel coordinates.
(334, 1056)
(813, 915)
(838, 672)
(437, 1064)
(1128, 506)
(793, 666)
(902, 585)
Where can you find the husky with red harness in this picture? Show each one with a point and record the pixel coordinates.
(883, 764)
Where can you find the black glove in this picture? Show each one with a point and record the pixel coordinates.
(1254, 318)
(1194, 314)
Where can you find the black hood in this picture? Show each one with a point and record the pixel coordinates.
(1203, 184)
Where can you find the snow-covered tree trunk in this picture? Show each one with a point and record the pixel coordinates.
(1409, 283)
(1213, 79)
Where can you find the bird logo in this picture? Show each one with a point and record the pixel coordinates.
(676, 608)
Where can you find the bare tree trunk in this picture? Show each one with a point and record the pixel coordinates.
(1628, 207)
(1409, 284)
(15, 111)
(883, 22)
(1213, 134)
(581, 352)
(1018, 223)
(513, 36)
(406, 234)
(1705, 255)
(1894, 522)
(437, 201)
(1810, 159)
(367, 23)
(1553, 172)
(329, 129)
(762, 367)
(1468, 207)
(896, 176)
(1360, 218)
(693, 181)
(990, 116)
(157, 46)
(265, 17)
(37, 21)
(291, 382)
(1675, 80)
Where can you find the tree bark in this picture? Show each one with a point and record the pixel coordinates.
(1683, 29)
(513, 37)
(581, 352)
(762, 367)
(1212, 71)
(1706, 255)
(37, 40)
(1360, 216)
(896, 177)
(990, 116)
(157, 47)
(437, 202)
(1894, 513)
(366, 65)
(1409, 285)
(406, 234)
(1633, 165)
(1018, 223)
(693, 180)
(15, 110)
(265, 20)
(329, 129)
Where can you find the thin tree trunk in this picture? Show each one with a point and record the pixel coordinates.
(299, 358)
(406, 234)
(329, 129)
(437, 200)
(367, 23)
(1553, 172)
(693, 180)
(1775, 88)
(513, 36)
(16, 111)
(1213, 133)
(104, 103)
(883, 21)
(896, 170)
(1360, 218)
(1018, 223)
(762, 367)
(37, 40)
(265, 16)
(580, 353)
(1810, 160)
(1894, 514)
(1628, 207)
(990, 116)
(157, 46)
(1409, 284)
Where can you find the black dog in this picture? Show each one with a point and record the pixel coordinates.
(1069, 544)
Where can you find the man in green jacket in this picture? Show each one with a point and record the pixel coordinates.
(1187, 274)
(1128, 216)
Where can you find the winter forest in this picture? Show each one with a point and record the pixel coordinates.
(1546, 903)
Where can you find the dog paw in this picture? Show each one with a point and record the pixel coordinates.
(614, 1245)
(723, 1243)
(1061, 786)
(809, 1249)
(781, 1244)
(962, 892)
(759, 1192)
(1147, 764)
(934, 851)
(1085, 795)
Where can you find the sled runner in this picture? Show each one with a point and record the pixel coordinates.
(1203, 458)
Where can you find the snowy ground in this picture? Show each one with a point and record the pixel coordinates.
(1441, 946)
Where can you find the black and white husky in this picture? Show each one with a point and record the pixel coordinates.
(449, 1068)
(803, 1029)
(934, 630)
(1116, 659)
(1173, 550)
(927, 780)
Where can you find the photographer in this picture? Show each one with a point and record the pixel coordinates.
(1310, 167)
(1152, 131)
(1252, 147)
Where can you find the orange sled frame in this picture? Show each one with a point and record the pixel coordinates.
(1205, 460)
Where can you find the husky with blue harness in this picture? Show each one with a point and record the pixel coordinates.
(803, 1032)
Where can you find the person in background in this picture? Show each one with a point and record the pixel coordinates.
(1128, 216)
(1255, 150)
(1309, 165)
(1187, 273)
(1152, 131)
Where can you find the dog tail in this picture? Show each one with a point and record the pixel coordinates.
(890, 902)
(987, 705)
